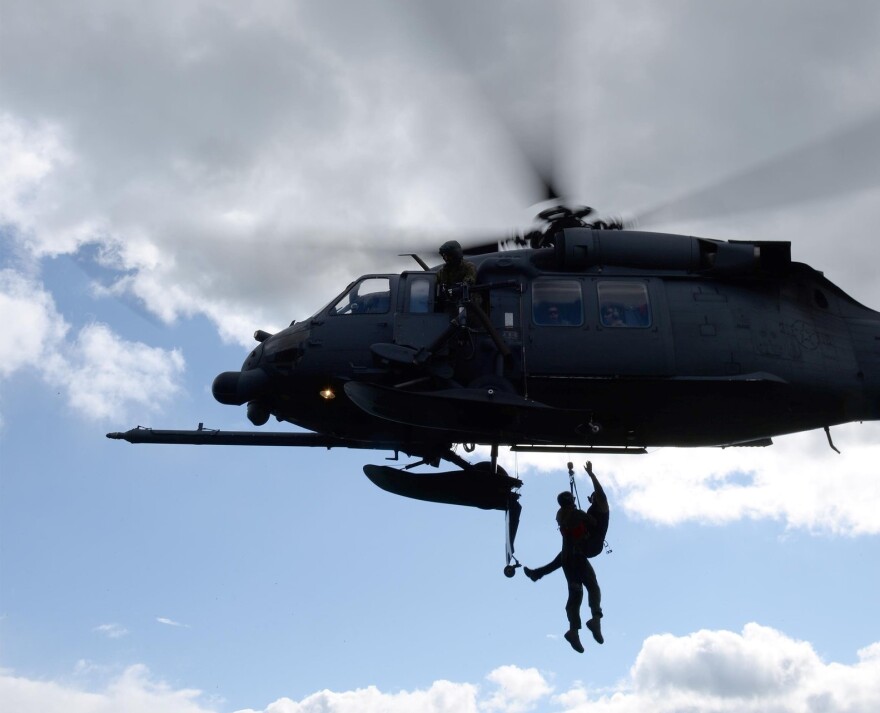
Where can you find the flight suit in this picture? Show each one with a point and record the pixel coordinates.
(583, 536)
(454, 274)
(450, 274)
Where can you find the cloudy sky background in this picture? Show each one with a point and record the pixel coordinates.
(177, 175)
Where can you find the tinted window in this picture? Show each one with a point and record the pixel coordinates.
(557, 303)
(624, 304)
(419, 295)
(372, 295)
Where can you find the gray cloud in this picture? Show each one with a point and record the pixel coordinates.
(262, 157)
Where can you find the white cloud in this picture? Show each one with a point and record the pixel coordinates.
(799, 481)
(170, 622)
(112, 631)
(32, 326)
(757, 670)
(440, 697)
(758, 663)
(104, 374)
(133, 692)
(28, 155)
(519, 689)
(100, 373)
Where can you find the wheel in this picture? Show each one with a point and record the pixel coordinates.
(509, 571)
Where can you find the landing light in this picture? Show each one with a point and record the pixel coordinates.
(327, 393)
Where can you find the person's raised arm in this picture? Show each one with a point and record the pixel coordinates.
(597, 486)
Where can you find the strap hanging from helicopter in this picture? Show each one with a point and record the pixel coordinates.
(572, 485)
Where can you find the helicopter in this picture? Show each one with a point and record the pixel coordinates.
(580, 336)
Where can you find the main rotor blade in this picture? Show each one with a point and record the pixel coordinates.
(510, 56)
(842, 163)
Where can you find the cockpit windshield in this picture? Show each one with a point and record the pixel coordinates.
(369, 295)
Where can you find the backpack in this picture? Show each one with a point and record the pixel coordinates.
(587, 531)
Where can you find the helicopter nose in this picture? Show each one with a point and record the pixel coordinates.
(235, 388)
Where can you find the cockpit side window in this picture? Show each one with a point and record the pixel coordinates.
(371, 295)
(419, 293)
(624, 304)
(557, 303)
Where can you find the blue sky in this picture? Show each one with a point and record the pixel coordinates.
(174, 177)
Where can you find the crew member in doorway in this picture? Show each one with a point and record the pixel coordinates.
(455, 268)
(583, 536)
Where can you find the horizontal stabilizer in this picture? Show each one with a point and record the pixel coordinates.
(757, 443)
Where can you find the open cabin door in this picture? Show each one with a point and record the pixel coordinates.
(418, 323)
(476, 351)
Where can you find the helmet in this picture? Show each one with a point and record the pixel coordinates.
(565, 499)
(451, 249)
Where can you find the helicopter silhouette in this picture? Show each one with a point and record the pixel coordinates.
(580, 335)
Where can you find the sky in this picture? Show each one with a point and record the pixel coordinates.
(175, 175)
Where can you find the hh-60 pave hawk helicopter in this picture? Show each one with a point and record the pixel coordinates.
(584, 337)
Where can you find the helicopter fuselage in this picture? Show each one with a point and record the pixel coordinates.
(617, 339)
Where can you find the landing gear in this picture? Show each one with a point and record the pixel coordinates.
(511, 523)
(512, 509)
(511, 515)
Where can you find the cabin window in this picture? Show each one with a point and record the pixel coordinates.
(557, 303)
(371, 295)
(624, 304)
(419, 295)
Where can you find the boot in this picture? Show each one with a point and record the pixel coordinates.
(571, 636)
(596, 630)
(531, 574)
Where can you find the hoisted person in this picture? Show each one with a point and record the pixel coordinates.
(583, 536)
